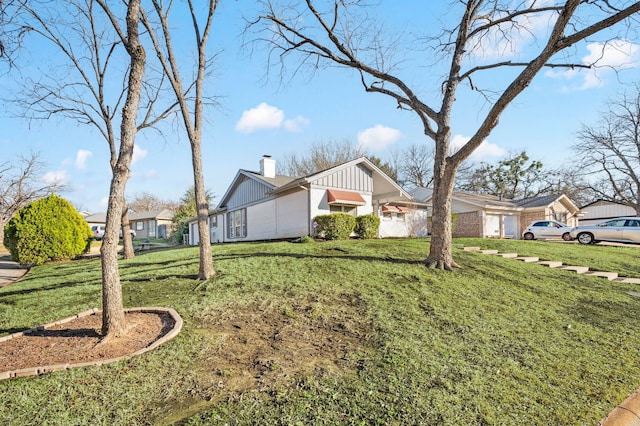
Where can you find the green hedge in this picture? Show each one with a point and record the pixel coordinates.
(46, 229)
(336, 226)
(367, 226)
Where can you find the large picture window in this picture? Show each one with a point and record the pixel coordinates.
(237, 224)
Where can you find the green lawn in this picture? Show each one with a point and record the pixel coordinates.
(353, 333)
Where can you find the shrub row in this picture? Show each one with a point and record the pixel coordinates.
(340, 226)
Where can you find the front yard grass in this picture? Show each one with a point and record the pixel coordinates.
(496, 342)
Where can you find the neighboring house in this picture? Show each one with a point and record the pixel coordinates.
(152, 224)
(96, 219)
(601, 210)
(265, 206)
(488, 216)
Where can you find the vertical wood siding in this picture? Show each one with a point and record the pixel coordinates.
(248, 191)
(356, 178)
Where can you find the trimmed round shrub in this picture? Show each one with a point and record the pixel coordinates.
(367, 226)
(336, 226)
(46, 229)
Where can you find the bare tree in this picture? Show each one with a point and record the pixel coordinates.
(145, 202)
(341, 35)
(21, 183)
(609, 152)
(192, 115)
(84, 90)
(320, 156)
(113, 322)
(416, 166)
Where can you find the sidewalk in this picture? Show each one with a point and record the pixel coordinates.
(10, 271)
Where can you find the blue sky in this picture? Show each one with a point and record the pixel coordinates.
(258, 116)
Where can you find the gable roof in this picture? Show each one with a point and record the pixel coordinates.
(271, 182)
(491, 201)
(379, 174)
(603, 201)
(153, 214)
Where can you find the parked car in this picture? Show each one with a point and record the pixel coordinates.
(622, 229)
(547, 229)
(98, 232)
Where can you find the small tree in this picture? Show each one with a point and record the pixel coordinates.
(47, 229)
(186, 210)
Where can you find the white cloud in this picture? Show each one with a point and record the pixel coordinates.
(484, 151)
(55, 177)
(81, 158)
(296, 124)
(138, 154)
(264, 116)
(378, 137)
(621, 54)
(618, 54)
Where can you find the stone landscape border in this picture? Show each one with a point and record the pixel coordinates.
(36, 371)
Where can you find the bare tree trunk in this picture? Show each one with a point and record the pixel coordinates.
(113, 321)
(127, 244)
(440, 250)
(205, 270)
(192, 122)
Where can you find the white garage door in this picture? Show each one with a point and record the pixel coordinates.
(510, 227)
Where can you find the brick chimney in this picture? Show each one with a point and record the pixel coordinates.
(268, 166)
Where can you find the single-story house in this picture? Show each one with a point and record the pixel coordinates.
(96, 219)
(488, 216)
(265, 206)
(601, 210)
(151, 224)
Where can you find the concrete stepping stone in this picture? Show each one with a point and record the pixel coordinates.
(550, 263)
(527, 259)
(628, 280)
(576, 269)
(471, 248)
(489, 251)
(608, 275)
(508, 255)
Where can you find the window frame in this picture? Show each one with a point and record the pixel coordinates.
(235, 229)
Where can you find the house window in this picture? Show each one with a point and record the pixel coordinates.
(151, 226)
(352, 210)
(139, 226)
(237, 223)
(400, 217)
(560, 217)
(386, 216)
(213, 222)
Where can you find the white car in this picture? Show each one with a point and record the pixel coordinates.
(622, 230)
(98, 232)
(539, 229)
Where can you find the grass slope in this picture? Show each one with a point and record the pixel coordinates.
(496, 342)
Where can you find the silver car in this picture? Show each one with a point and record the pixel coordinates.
(622, 229)
(546, 229)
